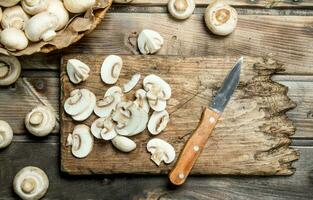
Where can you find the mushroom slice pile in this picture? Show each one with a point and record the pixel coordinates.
(141, 100)
(161, 151)
(103, 128)
(77, 71)
(158, 91)
(31, 183)
(81, 141)
(80, 104)
(124, 144)
(10, 70)
(6, 134)
(158, 122)
(181, 9)
(111, 69)
(149, 41)
(127, 87)
(107, 105)
(40, 121)
(131, 119)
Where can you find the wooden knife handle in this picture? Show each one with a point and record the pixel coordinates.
(194, 147)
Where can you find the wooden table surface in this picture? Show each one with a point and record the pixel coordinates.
(283, 28)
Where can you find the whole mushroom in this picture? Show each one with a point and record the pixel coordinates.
(14, 17)
(34, 7)
(181, 9)
(56, 7)
(31, 183)
(13, 39)
(9, 3)
(221, 18)
(6, 134)
(80, 6)
(10, 70)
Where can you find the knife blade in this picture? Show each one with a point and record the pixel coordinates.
(209, 119)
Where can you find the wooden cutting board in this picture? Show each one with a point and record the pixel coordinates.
(252, 137)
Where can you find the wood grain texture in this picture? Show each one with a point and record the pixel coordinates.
(253, 132)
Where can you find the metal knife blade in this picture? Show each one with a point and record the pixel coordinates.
(228, 87)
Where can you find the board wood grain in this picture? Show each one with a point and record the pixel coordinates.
(252, 137)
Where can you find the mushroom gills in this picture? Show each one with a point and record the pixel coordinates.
(149, 41)
(77, 71)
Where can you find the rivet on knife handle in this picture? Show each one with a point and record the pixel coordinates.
(194, 147)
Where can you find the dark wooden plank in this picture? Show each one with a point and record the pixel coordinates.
(46, 156)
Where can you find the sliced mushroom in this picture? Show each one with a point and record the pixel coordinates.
(111, 68)
(80, 6)
(80, 104)
(40, 121)
(127, 87)
(34, 7)
(181, 9)
(13, 39)
(158, 122)
(160, 151)
(31, 183)
(124, 144)
(14, 17)
(149, 42)
(158, 91)
(141, 100)
(10, 70)
(103, 128)
(221, 18)
(107, 105)
(6, 134)
(77, 71)
(56, 7)
(81, 141)
(42, 27)
(9, 3)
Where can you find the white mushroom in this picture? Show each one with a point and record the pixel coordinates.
(31, 183)
(131, 119)
(80, 104)
(127, 87)
(158, 91)
(149, 42)
(81, 141)
(80, 6)
(158, 122)
(111, 68)
(103, 128)
(10, 70)
(77, 71)
(161, 151)
(141, 100)
(42, 27)
(40, 121)
(56, 7)
(181, 9)
(221, 18)
(34, 7)
(124, 144)
(9, 3)
(13, 39)
(14, 17)
(6, 134)
(107, 105)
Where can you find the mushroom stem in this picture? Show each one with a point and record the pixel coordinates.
(4, 70)
(36, 118)
(157, 157)
(28, 185)
(49, 35)
(181, 5)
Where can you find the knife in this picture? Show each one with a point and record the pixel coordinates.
(209, 119)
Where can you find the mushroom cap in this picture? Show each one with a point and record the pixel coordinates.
(141, 100)
(6, 134)
(10, 70)
(103, 128)
(31, 183)
(56, 7)
(221, 18)
(124, 144)
(158, 122)
(13, 39)
(41, 27)
(181, 9)
(40, 121)
(127, 87)
(14, 17)
(149, 41)
(8, 3)
(81, 141)
(80, 6)
(77, 71)
(111, 68)
(161, 151)
(34, 7)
